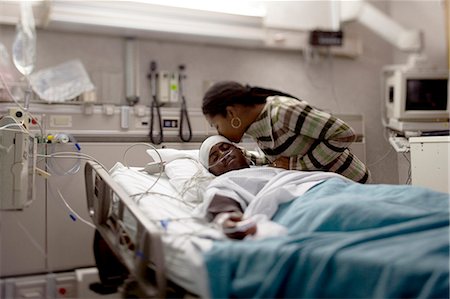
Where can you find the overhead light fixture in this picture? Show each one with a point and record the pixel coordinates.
(241, 7)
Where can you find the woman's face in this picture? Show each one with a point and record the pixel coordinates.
(224, 128)
(224, 157)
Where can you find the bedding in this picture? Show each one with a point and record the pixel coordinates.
(342, 239)
(345, 240)
(184, 237)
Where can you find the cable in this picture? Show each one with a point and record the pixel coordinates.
(155, 106)
(183, 110)
(124, 156)
(192, 182)
(408, 179)
(160, 161)
(381, 159)
(332, 80)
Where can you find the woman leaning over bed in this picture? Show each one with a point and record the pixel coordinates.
(291, 133)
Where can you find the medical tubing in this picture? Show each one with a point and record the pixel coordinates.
(124, 156)
(148, 192)
(77, 217)
(155, 106)
(57, 170)
(160, 161)
(35, 243)
(8, 91)
(197, 178)
(221, 159)
(183, 110)
(19, 125)
(151, 186)
(77, 165)
(73, 155)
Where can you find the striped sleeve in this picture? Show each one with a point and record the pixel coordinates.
(319, 156)
(328, 136)
(303, 119)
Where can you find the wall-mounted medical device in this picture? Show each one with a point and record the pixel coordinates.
(416, 98)
(167, 87)
(163, 86)
(17, 165)
(131, 72)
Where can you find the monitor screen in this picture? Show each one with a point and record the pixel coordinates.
(426, 94)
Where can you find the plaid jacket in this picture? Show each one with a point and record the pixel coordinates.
(313, 139)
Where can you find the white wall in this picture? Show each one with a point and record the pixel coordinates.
(339, 85)
(429, 17)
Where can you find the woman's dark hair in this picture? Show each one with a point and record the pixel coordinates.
(223, 94)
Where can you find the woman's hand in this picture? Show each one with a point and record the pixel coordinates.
(234, 226)
(281, 162)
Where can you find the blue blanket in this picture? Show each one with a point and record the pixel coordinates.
(345, 240)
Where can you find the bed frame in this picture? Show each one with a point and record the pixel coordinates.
(141, 251)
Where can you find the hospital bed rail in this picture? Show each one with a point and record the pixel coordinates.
(140, 250)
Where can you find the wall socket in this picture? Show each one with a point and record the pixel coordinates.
(171, 123)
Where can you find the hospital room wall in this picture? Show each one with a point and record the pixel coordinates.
(340, 85)
(337, 84)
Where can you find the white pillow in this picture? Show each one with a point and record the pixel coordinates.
(170, 154)
(185, 172)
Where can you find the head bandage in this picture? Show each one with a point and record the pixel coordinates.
(206, 147)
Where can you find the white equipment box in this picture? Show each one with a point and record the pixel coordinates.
(17, 167)
(430, 162)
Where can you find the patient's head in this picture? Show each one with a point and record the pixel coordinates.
(219, 155)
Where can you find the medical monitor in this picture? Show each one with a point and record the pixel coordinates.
(417, 100)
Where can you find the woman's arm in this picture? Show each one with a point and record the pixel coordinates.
(324, 135)
(303, 119)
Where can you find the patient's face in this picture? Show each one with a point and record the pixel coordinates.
(224, 157)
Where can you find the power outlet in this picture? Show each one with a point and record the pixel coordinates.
(171, 123)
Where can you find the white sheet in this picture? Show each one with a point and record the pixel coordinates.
(260, 191)
(185, 238)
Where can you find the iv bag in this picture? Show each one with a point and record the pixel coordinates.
(24, 45)
(6, 69)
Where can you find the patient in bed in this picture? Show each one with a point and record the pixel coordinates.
(243, 199)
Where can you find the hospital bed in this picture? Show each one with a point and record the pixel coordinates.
(344, 240)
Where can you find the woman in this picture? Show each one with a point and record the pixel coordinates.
(291, 133)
